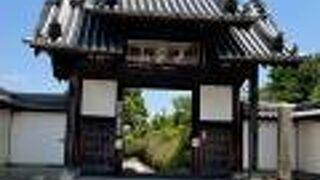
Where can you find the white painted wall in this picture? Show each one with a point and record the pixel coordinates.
(267, 151)
(268, 145)
(245, 145)
(309, 146)
(38, 138)
(99, 98)
(5, 119)
(216, 103)
(293, 147)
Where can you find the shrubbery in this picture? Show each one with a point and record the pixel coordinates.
(163, 142)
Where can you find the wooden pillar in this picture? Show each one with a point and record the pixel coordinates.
(253, 123)
(284, 128)
(195, 130)
(72, 117)
(237, 130)
(119, 135)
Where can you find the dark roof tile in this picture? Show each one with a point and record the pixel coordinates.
(84, 28)
(33, 101)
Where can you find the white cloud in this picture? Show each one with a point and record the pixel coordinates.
(12, 81)
(17, 82)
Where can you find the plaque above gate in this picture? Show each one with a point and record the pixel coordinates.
(163, 52)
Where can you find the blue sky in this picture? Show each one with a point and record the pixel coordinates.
(21, 71)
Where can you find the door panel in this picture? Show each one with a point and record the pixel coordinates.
(216, 150)
(97, 139)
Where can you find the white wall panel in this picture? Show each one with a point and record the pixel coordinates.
(267, 151)
(38, 138)
(245, 145)
(309, 147)
(267, 145)
(5, 119)
(216, 103)
(293, 147)
(99, 98)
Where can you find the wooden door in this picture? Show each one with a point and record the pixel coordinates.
(97, 141)
(216, 152)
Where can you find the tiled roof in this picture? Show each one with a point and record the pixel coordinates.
(269, 111)
(83, 28)
(199, 9)
(33, 101)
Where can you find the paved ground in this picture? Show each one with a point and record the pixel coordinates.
(38, 173)
(30, 173)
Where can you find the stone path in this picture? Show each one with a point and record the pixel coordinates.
(137, 166)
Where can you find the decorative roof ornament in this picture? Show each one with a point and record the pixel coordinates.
(230, 6)
(294, 50)
(75, 3)
(278, 43)
(260, 6)
(54, 31)
(255, 7)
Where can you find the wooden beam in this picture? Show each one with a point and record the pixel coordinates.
(253, 123)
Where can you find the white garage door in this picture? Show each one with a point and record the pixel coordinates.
(38, 138)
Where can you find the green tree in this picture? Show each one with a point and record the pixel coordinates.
(295, 84)
(134, 111)
(134, 115)
(284, 85)
(315, 95)
(165, 142)
(182, 110)
(172, 130)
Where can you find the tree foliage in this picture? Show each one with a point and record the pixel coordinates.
(163, 141)
(295, 84)
(134, 111)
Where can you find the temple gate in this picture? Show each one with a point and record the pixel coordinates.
(210, 47)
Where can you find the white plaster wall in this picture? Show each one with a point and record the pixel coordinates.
(4, 135)
(38, 138)
(267, 151)
(216, 103)
(293, 147)
(245, 145)
(268, 146)
(309, 146)
(99, 98)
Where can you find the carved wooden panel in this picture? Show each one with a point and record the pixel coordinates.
(97, 146)
(163, 52)
(216, 150)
